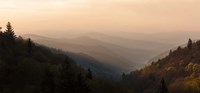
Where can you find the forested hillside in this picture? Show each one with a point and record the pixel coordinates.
(179, 72)
(27, 67)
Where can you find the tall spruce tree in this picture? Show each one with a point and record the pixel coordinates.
(162, 88)
(9, 33)
(170, 52)
(67, 78)
(30, 46)
(189, 45)
(1, 37)
(123, 76)
(1, 33)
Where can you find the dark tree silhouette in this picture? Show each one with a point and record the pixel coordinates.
(179, 48)
(89, 74)
(170, 52)
(1, 33)
(67, 78)
(123, 76)
(69, 81)
(162, 88)
(30, 46)
(189, 45)
(1, 38)
(9, 33)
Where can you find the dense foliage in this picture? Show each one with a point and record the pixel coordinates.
(180, 69)
(26, 67)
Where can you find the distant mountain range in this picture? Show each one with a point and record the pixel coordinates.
(122, 53)
(119, 50)
(173, 37)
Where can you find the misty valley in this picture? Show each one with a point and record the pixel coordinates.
(99, 63)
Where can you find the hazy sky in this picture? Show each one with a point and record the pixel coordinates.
(47, 16)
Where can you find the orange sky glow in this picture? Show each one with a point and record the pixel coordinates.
(43, 16)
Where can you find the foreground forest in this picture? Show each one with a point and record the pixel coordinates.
(179, 72)
(26, 67)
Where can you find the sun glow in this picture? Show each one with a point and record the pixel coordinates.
(57, 3)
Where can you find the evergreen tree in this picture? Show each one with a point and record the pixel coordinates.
(9, 33)
(179, 48)
(163, 88)
(2, 41)
(67, 78)
(189, 45)
(123, 76)
(170, 52)
(1, 33)
(1, 37)
(89, 74)
(30, 46)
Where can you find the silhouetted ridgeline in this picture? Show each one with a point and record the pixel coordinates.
(180, 70)
(26, 67)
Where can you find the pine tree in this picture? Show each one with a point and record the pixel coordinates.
(89, 74)
(123, 76)
(1, 37)
(189, 45)
(1, 33)
(9, 33)
(163, 88)
(67, 78)
(30, 46)
(179, 48)
(170, 52)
